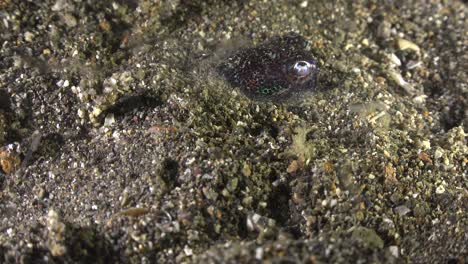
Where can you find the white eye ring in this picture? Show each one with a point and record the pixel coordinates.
(303, 68)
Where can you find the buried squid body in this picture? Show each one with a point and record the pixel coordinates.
(274, 70)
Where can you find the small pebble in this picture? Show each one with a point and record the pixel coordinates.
(402, 210)
(246, 171)
(404, 44)
(384, 29)
(109, 120)
(413, 64)
(440, 189)
(394, 59)
(394, 251)
(70, 20)
(28, 36)
(365, 42)
(396, 76)
(438, 153)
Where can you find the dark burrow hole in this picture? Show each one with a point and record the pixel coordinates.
(9, 115)
(272, 131)
(460, 260)
(255, 132)
(454, 114)
(190, 10)
(87, 245)
(129, 103)
(278, 204)
(4, 101)
(168, 170)
(50, 146)
(243, 231)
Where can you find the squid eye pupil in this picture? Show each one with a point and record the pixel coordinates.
(302, 64)
(302, 68)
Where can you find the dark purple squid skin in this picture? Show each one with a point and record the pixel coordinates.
(274, 70)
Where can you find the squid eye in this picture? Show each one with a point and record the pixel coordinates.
(303, 68)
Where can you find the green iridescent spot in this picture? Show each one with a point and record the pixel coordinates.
(269, 90)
